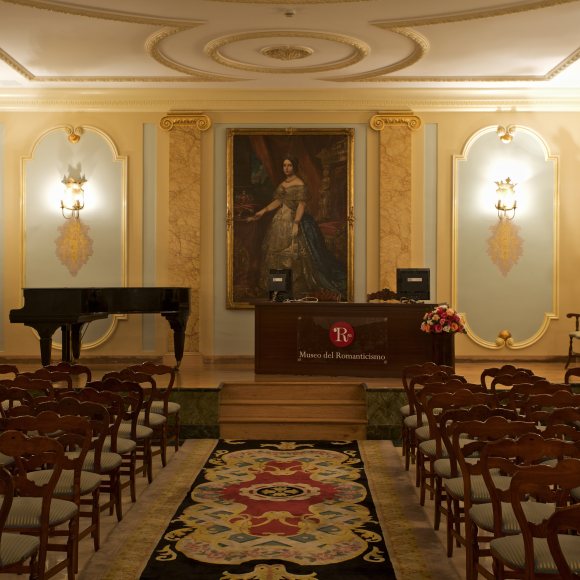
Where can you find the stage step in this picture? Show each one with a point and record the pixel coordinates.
(292, 410)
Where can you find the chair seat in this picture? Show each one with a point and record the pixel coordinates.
(172, 408)
(442, 467)
(142, 432)
(429, 447)
(423, 433)
(510, 549)
(16, 548)
(124, 445)
(405, 410)
(6, 459)
(575, 334)
(482, 515)
(155, 419)
(109, 461)
(25, 512)
(64, 487)
(455, 487)
(411, 421)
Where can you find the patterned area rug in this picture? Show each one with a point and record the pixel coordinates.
(235, 510)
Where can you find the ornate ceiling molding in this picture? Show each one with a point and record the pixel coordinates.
(359, 50)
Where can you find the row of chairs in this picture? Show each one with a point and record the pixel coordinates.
(105, 430)
(457, 463)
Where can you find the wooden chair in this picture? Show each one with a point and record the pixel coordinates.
(574, 335)
(565, 548)
(468, 499)
(435, 399)
(507, 369)
(156, 421)
(510, 456)
(75, 484)
(35, 510)
(161, 402)
(79, 373)
(408, 409)
(415, 419)
(527, 554)
(105, 463)
(15, 549)
(548, 401)
(126, 448)
(133, 397)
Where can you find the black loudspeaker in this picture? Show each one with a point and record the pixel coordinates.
(280, 285)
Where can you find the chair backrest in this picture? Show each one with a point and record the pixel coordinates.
(548, 401)
(572, 372)
(516, 396)
(565, 519)
(37, 387)
(510, 455)
(435, 402)
(14, 398)
(6, 369)
(131, 394)
(97, 415)
(423, 369)
(79, 371)
(508, 380)
(31, 453)
(507, 369)
(72, 432)
(547, 484)
(58, 379)
(417, 383)
(450, 417)
(158, 371)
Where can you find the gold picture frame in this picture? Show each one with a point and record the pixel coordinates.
(289, 206)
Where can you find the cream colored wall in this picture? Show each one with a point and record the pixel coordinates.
(124, 124)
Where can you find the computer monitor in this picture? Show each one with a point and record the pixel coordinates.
(280, 285)
(413, 283)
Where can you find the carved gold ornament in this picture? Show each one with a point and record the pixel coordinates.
(505, 246)
(74, 247)
(286, 52)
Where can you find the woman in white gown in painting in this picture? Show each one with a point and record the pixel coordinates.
(294, 240)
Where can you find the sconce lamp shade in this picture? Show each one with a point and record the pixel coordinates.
(506, 199)
(73, 198)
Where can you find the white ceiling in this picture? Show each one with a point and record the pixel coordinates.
(244, 44)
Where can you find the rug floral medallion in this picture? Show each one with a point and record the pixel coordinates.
(275, 511)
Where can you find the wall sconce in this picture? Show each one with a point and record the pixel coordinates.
(506, 134)
(73, 198)
(506, 199)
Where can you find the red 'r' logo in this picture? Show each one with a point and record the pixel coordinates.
(341, 334)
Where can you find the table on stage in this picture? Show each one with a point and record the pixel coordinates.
(371, 339)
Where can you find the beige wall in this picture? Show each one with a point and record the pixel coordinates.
(122, 117)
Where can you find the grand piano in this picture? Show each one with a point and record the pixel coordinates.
(47, 309)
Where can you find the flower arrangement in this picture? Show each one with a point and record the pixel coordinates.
(442, 319)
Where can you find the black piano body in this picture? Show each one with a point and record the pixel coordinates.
(47, 309)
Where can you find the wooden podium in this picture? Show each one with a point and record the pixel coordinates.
(340, 338)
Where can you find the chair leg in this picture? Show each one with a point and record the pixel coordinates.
(570, 353)
(177, 430)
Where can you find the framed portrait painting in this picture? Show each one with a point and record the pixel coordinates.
(290, 212)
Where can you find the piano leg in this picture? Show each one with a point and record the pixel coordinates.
(177, 322)
(66, 340)
(76, 340)
(45, 331)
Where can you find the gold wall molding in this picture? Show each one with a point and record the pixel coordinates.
(198, 120)
(379, 121)
(184, 228)
(395, 191)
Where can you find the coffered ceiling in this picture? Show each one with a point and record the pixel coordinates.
(294, 45)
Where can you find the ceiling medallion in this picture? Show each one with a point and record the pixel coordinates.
(286, 52)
